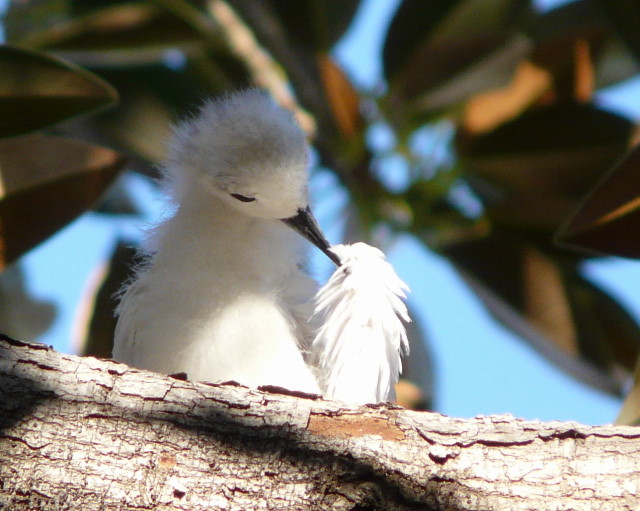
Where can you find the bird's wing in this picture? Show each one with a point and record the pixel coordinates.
(361, 339)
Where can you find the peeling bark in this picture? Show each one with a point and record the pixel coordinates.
(83, 433)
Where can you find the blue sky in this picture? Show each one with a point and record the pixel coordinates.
(480, 368)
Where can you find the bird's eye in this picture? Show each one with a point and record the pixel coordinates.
(242, 198)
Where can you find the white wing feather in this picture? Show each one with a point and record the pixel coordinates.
(362, 338)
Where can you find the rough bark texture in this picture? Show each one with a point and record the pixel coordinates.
(83, 433)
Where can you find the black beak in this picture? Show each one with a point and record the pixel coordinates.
(305, 224)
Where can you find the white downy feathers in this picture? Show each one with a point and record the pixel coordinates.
(222, 295)
(362, 338)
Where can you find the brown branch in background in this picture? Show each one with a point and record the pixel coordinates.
(265, 70)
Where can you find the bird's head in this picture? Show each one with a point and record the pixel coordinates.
(250, 153)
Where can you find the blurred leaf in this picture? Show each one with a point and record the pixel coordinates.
(567, 41)
(21, 315)
(473, 47)
(608, 220)
(153, 97)
(581, 126)
(316, 24)
(132, 33)
(46, 183)
(96, 321)
(624, 14)
(559, 32)
(548, 156)
(108, 33)
(25, 18)
(487, 110)
(609, 336)
(141, 125)
(584, 73)
(343, 99)
(528, 292)
(530, 211)
(491, 64)
(412, 23)
(555, 32)
(117, 200)
(524, 278)
(615, 64)
(37, 91)
(416, 388)
(630, 412)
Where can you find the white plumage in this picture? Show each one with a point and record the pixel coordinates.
(222, 296)
(361, 338)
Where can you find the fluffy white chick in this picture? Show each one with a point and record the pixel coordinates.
(221, 294)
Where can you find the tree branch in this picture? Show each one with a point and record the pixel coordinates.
(83, 433)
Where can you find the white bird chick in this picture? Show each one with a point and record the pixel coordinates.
(221, 295)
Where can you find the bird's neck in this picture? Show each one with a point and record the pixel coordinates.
(220, 242)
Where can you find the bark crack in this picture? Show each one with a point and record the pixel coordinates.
(23, 442)
(85, 434)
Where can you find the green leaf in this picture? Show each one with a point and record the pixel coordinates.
(37, 91)
(22, 315)
(133, 33)
(154, 96)
(466, 47)
(608, 334)
(141, 125)
(315, 24)
(559, 32)
(615, 64)
(96, 331)
(23, 20)
(479, 64)
(412, 23)
(547, 303)
(630, 412)
(118, 201)
(624, 15)
(46, 183)
(418, 369)
(608, 220)
(556, 31)
(537, 131)
(543, 162)
(528, 211)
